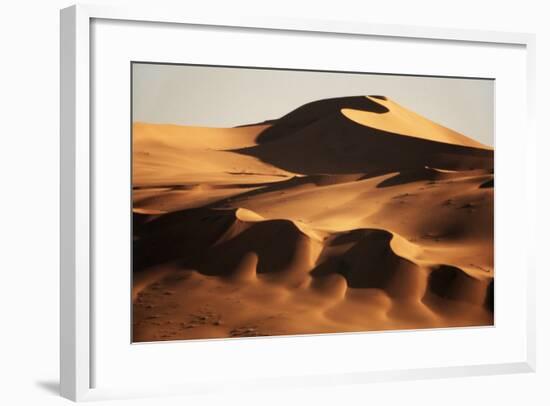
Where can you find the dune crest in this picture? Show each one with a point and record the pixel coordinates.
(359, 135)
(399, 120)
(345, 215)
(248, 215)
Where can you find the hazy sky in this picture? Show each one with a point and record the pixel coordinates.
(227, 97)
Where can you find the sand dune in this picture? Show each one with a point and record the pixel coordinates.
(342, 145)
(350, 214)
(399, 120)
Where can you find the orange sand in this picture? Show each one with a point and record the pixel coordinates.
(349, 214)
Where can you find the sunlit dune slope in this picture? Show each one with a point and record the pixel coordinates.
(399, 120)
(184, 164)
(348, 214)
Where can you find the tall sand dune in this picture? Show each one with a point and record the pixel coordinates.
(345, 215)
(359, 134)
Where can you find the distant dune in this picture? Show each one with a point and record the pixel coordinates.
(345, 215)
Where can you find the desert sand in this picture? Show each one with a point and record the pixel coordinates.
(345, 215)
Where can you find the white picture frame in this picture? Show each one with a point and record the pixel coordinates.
(77, 355)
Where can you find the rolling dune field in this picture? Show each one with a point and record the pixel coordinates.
(345, 215)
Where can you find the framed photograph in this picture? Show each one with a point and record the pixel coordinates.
(271, 202)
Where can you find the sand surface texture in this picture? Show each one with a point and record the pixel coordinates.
(345, 215)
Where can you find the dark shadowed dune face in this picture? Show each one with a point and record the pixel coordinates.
(310, 113)
(345, 215)
(452, 283)
(488, 184)
(341, 145)
(370, 262)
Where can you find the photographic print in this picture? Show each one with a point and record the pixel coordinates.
(270, 202)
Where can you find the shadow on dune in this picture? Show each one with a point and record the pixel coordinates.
(490, 298)
(318, 139)
(176, 236)
(369, 262)
(452, 283)
(425, 174)
(276, 243)
(309, 113)
(214, 242)
(488, 184)
(217, 243)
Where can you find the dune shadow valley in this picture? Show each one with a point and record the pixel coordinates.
(349, 214)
